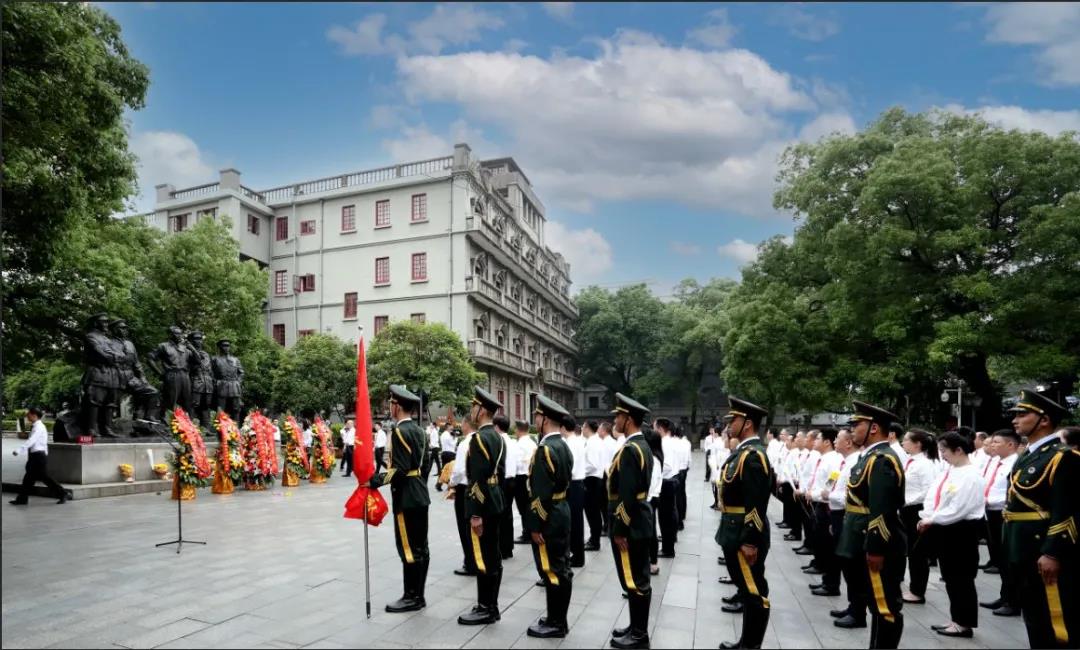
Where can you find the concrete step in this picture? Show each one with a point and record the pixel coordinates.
(95, 490)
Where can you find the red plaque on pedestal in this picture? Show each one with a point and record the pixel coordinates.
(86, 440)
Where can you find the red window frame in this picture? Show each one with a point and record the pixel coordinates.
(282, 228)
(253, 224)
(348, 218)
(382, 213)
(302, 333)
(307, 282)
(517, 406)
(350, 305)
(380, 323)
(419, 267)
(281, 283)
(279, 334)
(307, 227)
(419, 207)
(382, 270)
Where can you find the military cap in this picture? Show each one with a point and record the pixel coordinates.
(549, 408)
(1033, 401)
(752, 412)
(195, 334)
(403, 397)
(486, 399)
(93, 318)
(864, 411)
(220, 341)
(117, 321)
(628, 405)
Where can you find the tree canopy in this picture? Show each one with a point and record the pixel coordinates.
(317, 375)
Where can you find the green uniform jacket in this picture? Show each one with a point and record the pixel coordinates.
(549, 478)
(628, 490)
(875, 496)
(408, 490)
(1043, 505)
(485, 467)
(746, 482)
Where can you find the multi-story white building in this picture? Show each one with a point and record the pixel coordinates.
(453, 239)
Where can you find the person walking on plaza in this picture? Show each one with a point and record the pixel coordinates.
(920, 472)
(509, 487)
(526, 448)
(576, 495)
(872, 536)
(595, 500)
(953, 513)
(1041, 516)
(37, 462)
(447, 447)
(747, 482)
(348, 441)
(409, 493)
(632, 527)
(380, 446)
(548, 517)
(854, 615)
(459, 485)
(1004, 443)
(485, 467)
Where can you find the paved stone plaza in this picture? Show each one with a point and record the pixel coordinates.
(283, 569)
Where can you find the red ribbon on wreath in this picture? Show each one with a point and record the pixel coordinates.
(294, 431)
(323, 433)
(190, 437)
(225, 426)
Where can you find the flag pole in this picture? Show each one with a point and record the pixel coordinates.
(367, 561)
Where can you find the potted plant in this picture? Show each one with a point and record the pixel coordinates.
(127, 472)
(161, 470)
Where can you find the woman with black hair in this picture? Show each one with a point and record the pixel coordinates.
(953, 511)
(919, 472)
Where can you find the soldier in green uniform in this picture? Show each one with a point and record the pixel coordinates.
(872, 527)
(1041, 516)
(485, 468)
(410, 498)
(632, 527)
(746, 481)
(548, 518)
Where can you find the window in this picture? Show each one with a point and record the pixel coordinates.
(382, 214)
(178, 222)
(348, 218)
(517, 407)
(419, 207)
(382, 270)
(279, 333)
(209, 213)
(350, 305)
(281, 283)
(307, 282)
(419, 267)
(380, 323)
(302, 333)
(253, 224)
(282, 228)
(420, 319)
(307, 227)
(594, 402)
(501, 397)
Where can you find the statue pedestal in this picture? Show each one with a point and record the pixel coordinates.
(98, 463)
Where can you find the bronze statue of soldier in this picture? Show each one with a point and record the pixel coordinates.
(228, 380)
(171, 360)
(132, 380)
(202, 380)
(101, 379)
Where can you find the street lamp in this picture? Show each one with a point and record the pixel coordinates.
(959, 401)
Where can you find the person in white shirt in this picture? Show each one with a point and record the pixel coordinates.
(655, 488)
(896, 438)
(837, 498)
(526, 448)
(708, 443)
(1003, 445)
(307, 435)
(980, 457)
(775, 446)
(575, 494)
(348, 442)
(668, 512)
(434, 451)
(685, 450)
(920, 471)
(380, 448)
(809, 465)
(953, 512)
(720, 453)
(786, 477)
(817, 490)
(459, 484)
(509, 486)
(37, 462)
(595, 494)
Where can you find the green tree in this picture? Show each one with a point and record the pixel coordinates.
(318, 375)
(422, 356)
(260, 357)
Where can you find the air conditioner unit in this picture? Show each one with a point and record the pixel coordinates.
(297, 282)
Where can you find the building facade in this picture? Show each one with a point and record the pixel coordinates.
(454, 240)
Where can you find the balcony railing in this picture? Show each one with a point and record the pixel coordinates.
(192, 192)
(559, 377)
(487, 350)
(366, 177)
(252, 194)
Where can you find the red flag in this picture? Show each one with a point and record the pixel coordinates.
(364, 452)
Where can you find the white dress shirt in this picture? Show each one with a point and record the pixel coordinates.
(446, 441)
(686, 452)
(576, 444)
(818, 487)
(457, 476)
(277, 433)
(809, 465)
(900, 453)
(919, 473)
(512, 453)
(380, 438)
(958, 496)
(610, 447)
(432, 436)
(838, 492)
(38, 440)
(772, 451)
(526, 449)
(656, 482)
(594, 457)
(790, 467)
(308, 437)
(348, 436)
(997, 484)
(670, 467)
(620, 440)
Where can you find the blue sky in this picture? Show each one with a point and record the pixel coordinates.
(649, 131)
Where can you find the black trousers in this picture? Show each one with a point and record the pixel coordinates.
(347, 459)
(411, 535)
(437, 457)
(994, 523)
(37, 470)
(708, 467)
(464, 530)
(854, 572)
(552, 559)
(791, 510)
(654, 544)
(806, 517)
(681, 495)
(1051, 613)
(958, 556)
(632, 566)
(754, 589)
(824, 542)
(668, 514)
(575, 497)
(521, 499)
(884, 600)
(506, 521)
(380, 462)
(834, 568)
(604, 513)
(595, 498)
(919, 550)
(488, 560)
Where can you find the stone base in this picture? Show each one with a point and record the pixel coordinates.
(97, 464)
(99, 490)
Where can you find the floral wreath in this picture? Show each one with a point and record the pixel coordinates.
(229, 452)
(296, 457)
(323, 458)
(190, 463)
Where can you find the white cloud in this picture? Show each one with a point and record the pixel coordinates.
(515, 45)
(167, 157)
(742, 252)
(417, 142)
(827, 124)
(1016, 117)
(803, 25)
(560, 10)
(684, 248)
(445, 26)
(588, 253)
(1053, 28)
(639, 120)
(717, 31)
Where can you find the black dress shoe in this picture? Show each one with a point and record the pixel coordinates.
(733, 598)
(729, 644)
(541, 630)
(479, 616)
(667, 555)
(963, 634)
(405, 604)
(825, 591)
(839, 613)
(540, 583)
(992, 570)
(621, 631)
(523, 540)
(592, 546)
(734, 608)
(791, 537)
(721, 560)
(807, 566)
(1006, 610)
(507, 556)
(993, 604)
(464, 572)
(813, 571)
(849, 622)
(724, 580)
(632, 639)
(804, 551)
(983, 567)
(782, 526)
(577, 562)
(938, 627)
(16, 502)
(913, 601)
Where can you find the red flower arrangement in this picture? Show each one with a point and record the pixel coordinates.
(191, 463)
(260, 454)
(296, 457)
(232, 461)
(323, 455)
